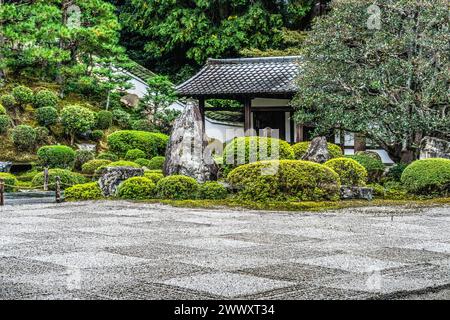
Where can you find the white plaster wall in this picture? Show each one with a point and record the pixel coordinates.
(261, 102)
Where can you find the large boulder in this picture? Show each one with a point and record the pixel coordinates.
(434, 148)
(188, 153)
(113, 176)
(317, 151)
(347, 192)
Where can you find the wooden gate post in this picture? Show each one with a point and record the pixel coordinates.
(45, 179)
(2, 192)
(58, 189)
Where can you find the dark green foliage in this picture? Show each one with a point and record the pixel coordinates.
(67, 177)
(9, 180)
(137, 188)
(86, 191)
(45, 98)
(108, 156)
(350, 172)
(395, 172)
(156, 163)
(56, 156)
(8, 101)
(152, 144)
(301, 148)
(143, 162)
(121, 118)
(142, 125)
(2, 109)
(373, 166)
(47, 116)
(5, 122)
(293, 180)
(42, 135)
(81, 157)
(91, 166)
(24, 137)
(23, 95)
(177, 187)
(104, 119)
(97, 135)
(428, 177)
(212, 191)
(134, 154)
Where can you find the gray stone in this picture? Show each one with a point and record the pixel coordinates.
(87, 147)
(317, 151)
(356, 193)
(5, 166)
(187, 153)
(434, 148)
(113, 176)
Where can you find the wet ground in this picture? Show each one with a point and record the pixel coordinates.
(123, 250)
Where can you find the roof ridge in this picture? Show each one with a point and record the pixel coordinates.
(254, 60)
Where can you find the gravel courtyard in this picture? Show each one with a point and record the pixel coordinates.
(122, 250)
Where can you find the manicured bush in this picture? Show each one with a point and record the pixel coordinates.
(85, 191)
(152, 144)
(154, 176)
(2, 109)
(97, 135)
(243, 150)
(121, 118)
(212, 191)
(156, 163)
(177, 187)
(104, 119)
(350, 172)
(5, 122)
(23, 95)
(45, 98)
(137, 188)
(24, 137)
(108, 156)
(373, 166)
(143, 162)
(82, 157)
(162, 140)
(77, 120)
(47, 116)
(8, 101)
(92, 165)
(9, 180)
(293, 180)
(300, 149)
(68, 178)
(428, 177)
(42, 135)
(56, 156)
(134, 154)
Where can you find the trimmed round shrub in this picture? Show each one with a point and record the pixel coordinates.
(134, 154)
(156, 163)
(42, 135)
(428, 177)
(104, 119)
(143, 162)
(47, 116)
(24, 137)
(121, 118)
(77, 119)
(9, 180)
(153, 144)
(373, 166)
(212, 191)
(92, 165)
(85, 191)
(68, 178)
(23, 95)
(137, 188)
(81, 157)
(8, 101)
(154, 176)
(350, 172)
(108, 156)
(45, 98)
(300, 149)
(56, 156)
(293, 180)
(97, 135)
(5, 122)
(177, 187)
(244, 150)
(2, 109)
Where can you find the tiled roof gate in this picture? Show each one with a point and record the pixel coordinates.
(229, 78)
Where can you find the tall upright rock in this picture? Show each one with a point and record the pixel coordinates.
(317, 151)
(434, 148)
(187, 152)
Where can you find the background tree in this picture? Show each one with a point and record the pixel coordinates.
(77, 120)
(382, 73)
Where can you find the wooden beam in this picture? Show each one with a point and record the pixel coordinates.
(247, 115)
(359, 142)
(299, 132)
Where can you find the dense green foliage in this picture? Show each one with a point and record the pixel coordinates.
(134, 154)
(154, 176)
(81, 157)
(152, 144)
(23, 95)
(42, 135)
(47, 116)
(5, 122)
(350, 172)
(97, 135)
(300, 149)
(107, 156)
(295, 180)
(56, 156)
(67, 177)
(24, 137)
(9, 180)
(8, 101)
(395, 172)
(91, 166)
(212, 191)
(428, 177)
(373, 166)
(45, 98)
(156, 163)
(86, 191)
(177, 187)
(2, 109)
(77, 120)
(104, 119)
(137, 188)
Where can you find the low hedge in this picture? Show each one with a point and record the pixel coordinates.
(428, 177)
(350, 172)
(300, 149)
(68, 178)
(177, 187)
(293, 180)
(374, 167)
(137, 188)
(212, 190)
(9, 180)
(153, 144)
(57, 156)
(86, 191)
(91, 166)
